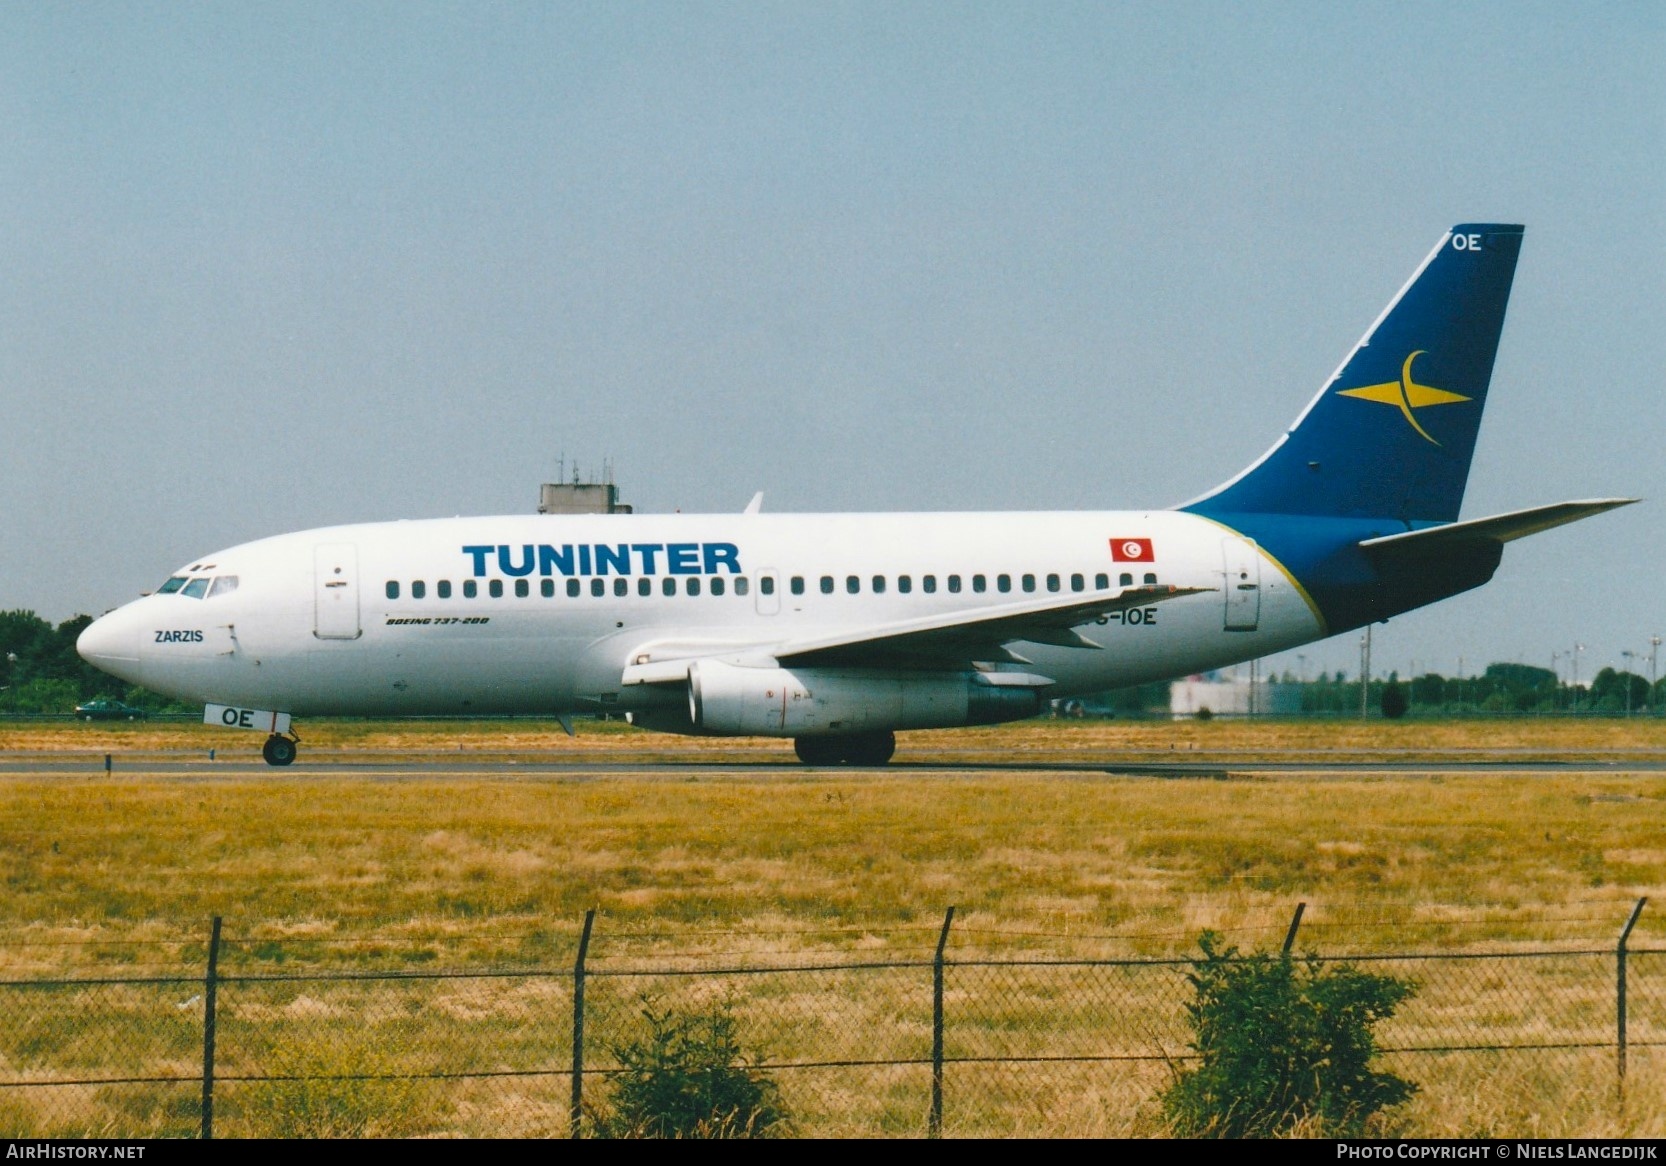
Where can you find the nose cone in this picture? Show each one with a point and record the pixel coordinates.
(111, 644)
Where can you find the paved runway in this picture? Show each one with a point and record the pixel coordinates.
(555, 767)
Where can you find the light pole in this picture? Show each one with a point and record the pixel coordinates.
(1654, 652)
(1577, 649)
(1364, 672)
(1555, 692)
(1628, 656)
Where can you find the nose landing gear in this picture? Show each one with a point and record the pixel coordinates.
(279, 749)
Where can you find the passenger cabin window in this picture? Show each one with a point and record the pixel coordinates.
(1052, 582)
(742, 585)
(717, 585)
(954, 583)
(979, 583)
(797, 585)
(546, 588)
(668, 586)
(522, 588)
(827, 585)
(470, 589)
(172, 585)
(766, 584)
(928, 584)
(879, 585)
(1151, 577)
(419, 589)
(1077, 583)
(572, 588)
(694, 585)
(392, 588)
(644, 586)
(598, 588)
(1028, 582)
(495, 588)
(853, 584)
(1003, 583)
(1101, 580)
(621, 587)
(225, 585)
(1125, 579)
(905, 583)
(443, 588)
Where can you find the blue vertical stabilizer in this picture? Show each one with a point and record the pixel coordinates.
(1391, 435)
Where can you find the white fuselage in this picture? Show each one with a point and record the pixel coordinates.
(376, 619)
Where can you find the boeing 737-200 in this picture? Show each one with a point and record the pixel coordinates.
(838, 629)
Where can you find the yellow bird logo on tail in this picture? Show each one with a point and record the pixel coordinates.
(1408, 395)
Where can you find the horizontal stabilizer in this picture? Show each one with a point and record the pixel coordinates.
(1501, 528)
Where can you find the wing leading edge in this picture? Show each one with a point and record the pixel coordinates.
(958, 640)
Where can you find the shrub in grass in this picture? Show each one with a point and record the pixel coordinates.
(338, 1090)
(1283, 1045)
(689, 1077)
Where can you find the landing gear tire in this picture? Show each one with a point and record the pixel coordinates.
(869, 748)
(850, 749)
(278, 750)
(817, 750)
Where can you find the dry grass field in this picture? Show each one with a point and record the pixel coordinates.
(389, 865)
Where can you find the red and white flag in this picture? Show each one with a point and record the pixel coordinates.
(1132, 550)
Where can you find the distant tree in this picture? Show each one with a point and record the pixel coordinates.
(23, 640)
(1432, 690)
(1393, 700)
(1614, 691)
(40, 671)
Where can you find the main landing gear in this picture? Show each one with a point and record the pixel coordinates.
(279, 749)
(848, 749)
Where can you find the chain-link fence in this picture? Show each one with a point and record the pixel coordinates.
(1525, 1042)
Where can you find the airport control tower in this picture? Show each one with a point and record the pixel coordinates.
(580, 497)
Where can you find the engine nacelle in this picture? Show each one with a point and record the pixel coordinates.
(799, 702)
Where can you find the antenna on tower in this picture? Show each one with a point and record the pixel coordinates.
(576, 496)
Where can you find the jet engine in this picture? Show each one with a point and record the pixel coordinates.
(793, 702)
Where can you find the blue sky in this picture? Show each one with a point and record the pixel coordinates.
(267, 268)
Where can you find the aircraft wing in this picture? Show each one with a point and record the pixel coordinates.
(953, 640)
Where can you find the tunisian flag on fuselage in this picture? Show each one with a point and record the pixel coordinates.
(1132, 550)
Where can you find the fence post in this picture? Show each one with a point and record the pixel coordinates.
(1620, 996)
(578, 1024)
(1295, 922)
(210, 985)
(935, 1129)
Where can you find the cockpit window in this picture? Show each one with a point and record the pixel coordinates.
(171, 585)
(197, 587)
(222, 585)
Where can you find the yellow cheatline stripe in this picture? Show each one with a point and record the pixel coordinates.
(1312, 607)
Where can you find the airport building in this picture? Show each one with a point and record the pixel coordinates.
(1230, 693)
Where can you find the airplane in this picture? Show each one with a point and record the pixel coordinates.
(837, 630)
